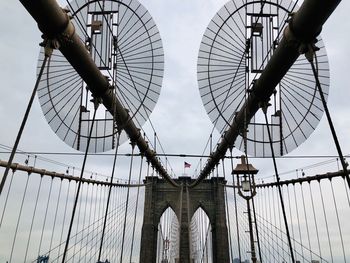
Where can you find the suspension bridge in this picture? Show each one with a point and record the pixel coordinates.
(119, 194)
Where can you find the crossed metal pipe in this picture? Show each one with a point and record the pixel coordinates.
(303, 28)
(56, 26)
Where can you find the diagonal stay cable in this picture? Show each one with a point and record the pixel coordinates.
(109, 195)
(79, 185)
(310, 55)
(48, 53)
(278, 182)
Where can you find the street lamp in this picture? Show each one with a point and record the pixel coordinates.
(246, 189)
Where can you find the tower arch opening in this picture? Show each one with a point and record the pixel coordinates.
(201, 237)
(168, 237)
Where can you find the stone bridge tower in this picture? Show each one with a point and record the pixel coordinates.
(209, 195)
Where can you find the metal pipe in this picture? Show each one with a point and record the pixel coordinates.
(307, 179)
(55, 24)
(304, 26)
(300, 180)
(43, 172)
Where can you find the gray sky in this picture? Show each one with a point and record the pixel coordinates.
(179, 117)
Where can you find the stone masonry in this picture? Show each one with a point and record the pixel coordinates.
(209, 195)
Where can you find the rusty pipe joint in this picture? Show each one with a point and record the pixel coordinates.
(54, 40)
(300, 40)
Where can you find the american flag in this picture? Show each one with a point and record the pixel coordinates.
(187, 165)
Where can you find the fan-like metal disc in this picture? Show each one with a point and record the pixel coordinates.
(125, 44)
(235, 48)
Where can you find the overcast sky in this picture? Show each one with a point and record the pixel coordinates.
(179, 117)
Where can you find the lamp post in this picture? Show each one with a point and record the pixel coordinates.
(247, 190)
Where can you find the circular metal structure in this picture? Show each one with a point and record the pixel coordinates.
(125, 44)
(234, 51)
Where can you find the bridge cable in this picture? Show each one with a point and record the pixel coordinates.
(84, 219)
(298, 253)
(306, 221)
(298, 219)
(266, 235)
(89, 223)
(338, 221)
(141, 100)
(270, 219)
(256, 229)
(227, 209)
(137, 203)
(127, 200)
(7, 196)
(315, 221)
(96, 104)
(346, 191)
(275, 220)
(236, 212)
(45, 217)
(33, 217)
(109, 196)
(264, 108)
(48, 52)
(55, 217)
(290, 215)
(279, 223)
(77, 232)
(19, 216)
(80, 24)
(65, 214)
(310, 56)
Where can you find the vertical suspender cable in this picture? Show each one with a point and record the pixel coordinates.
(236, 212)
(290, 215)
(315, 221)
(32, 221)
(64, 217)
(274, 225)
(347, 192)
(6, 199)
(280, 227)
(45, 217)
(137, 203)
(306, 221)
(87, 250)
(84, 219)
(227, 211)
(77, 227)
(55, 217)
(127, 201)
(19, 217)
(48, 52)
(337, 214)
(326, 221)
(278, 184)
(79, 186)
(270, 225)
(256, 230)
(297, 210)
(109, 196)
